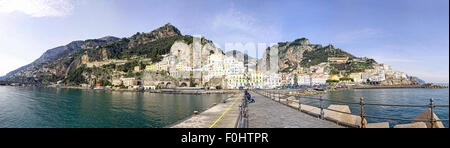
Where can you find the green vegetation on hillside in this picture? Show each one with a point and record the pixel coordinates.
(359, 67)
(156, 49)
(332, 81)
(346, 79)
(298, 42)
(76, 76)
(105, 83)
(115, 50)
(321, 55)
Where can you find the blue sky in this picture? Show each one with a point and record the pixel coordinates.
(410, 35)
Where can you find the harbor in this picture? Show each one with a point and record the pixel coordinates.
(339, 108)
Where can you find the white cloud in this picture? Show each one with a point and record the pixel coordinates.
(37, 8)
(233, 27)
(238, 26)
(233, 19)
(12, 63)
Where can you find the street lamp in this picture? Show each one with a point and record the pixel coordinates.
(310, 74)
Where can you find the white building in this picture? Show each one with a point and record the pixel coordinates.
(303, 79)
(357, 77)
(377, 77)
(399, 75)
(233, 66)
(214, 68)
(236, 81)
(271, 80)
(319, 78)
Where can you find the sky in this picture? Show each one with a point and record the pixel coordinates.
(410, 35)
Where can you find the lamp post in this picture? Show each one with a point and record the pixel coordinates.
(310, 75)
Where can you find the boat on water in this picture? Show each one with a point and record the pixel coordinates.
(189, 88)
(318, 88)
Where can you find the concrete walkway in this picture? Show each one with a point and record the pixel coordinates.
(266, 113)
(223, 115)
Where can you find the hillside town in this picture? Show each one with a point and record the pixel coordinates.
(226, 72)
(166, 59)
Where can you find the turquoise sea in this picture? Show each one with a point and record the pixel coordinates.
(36, 107)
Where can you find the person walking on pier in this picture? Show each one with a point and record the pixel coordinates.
(248, 97)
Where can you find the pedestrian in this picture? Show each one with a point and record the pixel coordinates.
(248, 98)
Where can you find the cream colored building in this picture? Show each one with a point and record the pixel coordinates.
(129, 81)
(357, 77)
(334, 77)
(338, 59)
(137, 68)
(150, 67)
(116, 82)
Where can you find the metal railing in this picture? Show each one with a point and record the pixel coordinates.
(242, 120)
(272, 94)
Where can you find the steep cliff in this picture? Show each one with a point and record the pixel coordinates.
(299, 53)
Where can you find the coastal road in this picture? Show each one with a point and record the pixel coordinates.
(266, 113)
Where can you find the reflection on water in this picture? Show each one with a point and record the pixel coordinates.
(49, 107)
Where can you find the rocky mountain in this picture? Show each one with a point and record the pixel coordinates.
(49, 55)
(149, 45)
(119, 58)
(52, 55)
(400, 81)
(102, 59)
(420, 81)
(169, 51)
(299, 53)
